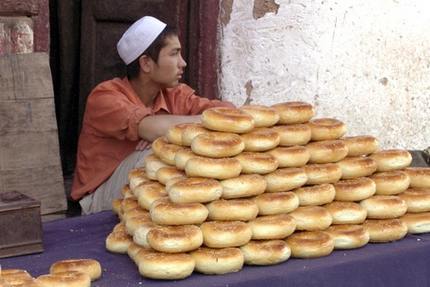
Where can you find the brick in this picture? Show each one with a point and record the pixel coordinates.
(16, 35)
(21, 37)
(19, 7)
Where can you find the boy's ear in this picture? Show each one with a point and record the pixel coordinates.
(145, 63)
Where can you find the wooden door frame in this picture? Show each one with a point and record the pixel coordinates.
(203, 50)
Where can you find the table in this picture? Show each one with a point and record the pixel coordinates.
(402, 263)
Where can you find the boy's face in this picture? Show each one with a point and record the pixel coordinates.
(170, 66)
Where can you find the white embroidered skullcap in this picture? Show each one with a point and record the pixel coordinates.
(138, 37)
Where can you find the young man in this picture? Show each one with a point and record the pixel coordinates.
(123, 116)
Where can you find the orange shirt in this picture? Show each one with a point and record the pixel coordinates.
(110, 127)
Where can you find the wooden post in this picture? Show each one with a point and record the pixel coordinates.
(29, 152)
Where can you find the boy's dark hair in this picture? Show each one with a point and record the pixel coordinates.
(153, 51)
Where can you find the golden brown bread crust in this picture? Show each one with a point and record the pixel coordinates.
(385, 230)
(116, 206)
(217, 261)
(148, 185)
(16, 277)
(173, 181)
(419, 176)
(118, 242)
(167, 173)
(417, 200)
(327, 129)
(140, 234)
(348, 236)
(291, 135)
(344, 212)
(227, 120)
(175, 239)
(133, 250)
(284, 179)
(137, 176)
(263, 116)
(353, 167)
(63, 279)
(166, 266)
(89, 266)
(261, 139)
(361, 145)
(392, 159)
(272, 226)
(276, 202)
(217, 144)
(310, 244)
(322, 173)
(135, 212)
(256, 162)
(384, 206)
(311, 218)
(417, 222)
(327, 151)
(218, 168)
(294, 156)
(265, 252)
(165, 150)
(142, 252)
(149, 192)
(182, 156)
(191, 131)
(128, 204)
(391, 182)
(166, 212)
(136, 172)
(232, 209)
(223, 234)
(119, 227)
(315, 194)
(152, 163)
(354, 189)
(175, 134)
(195, 189)
(133, 223)
(294, 112)
(244, 185)
(126, 191)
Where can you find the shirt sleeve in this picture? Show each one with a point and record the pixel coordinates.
(186, 102)
(112, 114)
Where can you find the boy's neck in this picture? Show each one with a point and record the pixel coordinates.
(145, 89)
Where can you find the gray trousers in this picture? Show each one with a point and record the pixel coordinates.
(101, 198)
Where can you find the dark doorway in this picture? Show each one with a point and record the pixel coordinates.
(84, 34)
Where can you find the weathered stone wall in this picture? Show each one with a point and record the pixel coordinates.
(29, 152)
(365, 63)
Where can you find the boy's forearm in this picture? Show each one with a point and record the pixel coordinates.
(152, 127)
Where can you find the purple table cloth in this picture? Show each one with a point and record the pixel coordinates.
(401, 263)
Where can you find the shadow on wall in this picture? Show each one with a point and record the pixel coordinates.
(420, 158)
